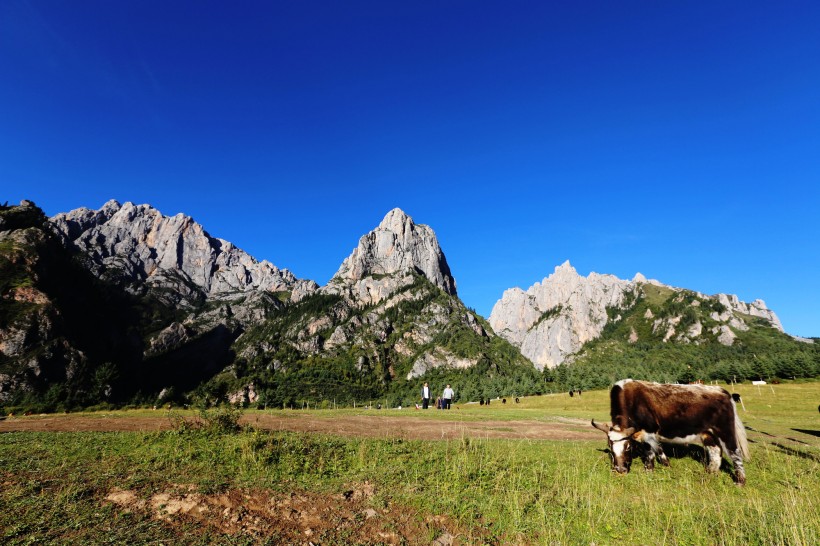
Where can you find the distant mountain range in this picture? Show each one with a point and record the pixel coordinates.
(126, 305)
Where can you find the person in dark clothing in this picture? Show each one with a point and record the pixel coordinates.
(425, 396)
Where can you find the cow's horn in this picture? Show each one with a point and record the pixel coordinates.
(629, 432)
(603, 428)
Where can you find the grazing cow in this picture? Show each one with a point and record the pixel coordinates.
(645, 414)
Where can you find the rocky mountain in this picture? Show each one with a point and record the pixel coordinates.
(59, 329)
(139, 247)
(558, 316)
(386, 259)
(154, 300)
(126, 305)
(390, 315)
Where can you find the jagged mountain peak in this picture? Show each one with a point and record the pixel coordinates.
(565, 267)
(397, 246)
(143, 247)
(395, 220)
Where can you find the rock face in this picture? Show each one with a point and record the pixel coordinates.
(45, 301)
(555, 318)
(386, 257)
(31, 334)
(386, 261)
(136, 244)
(390, 312)
(755, 309)
(123, 299)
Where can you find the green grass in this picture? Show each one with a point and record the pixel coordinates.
(508, 491)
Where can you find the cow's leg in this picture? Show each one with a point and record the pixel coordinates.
(740, 472)
(713, 459)
(652, 448)
(713, 456)
(648, 457)
(662, 456)
(733, 450)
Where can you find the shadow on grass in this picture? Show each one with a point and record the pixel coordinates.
(796, 452)
(695, 452)
(747, 427)
(809, 432)
(677, 452)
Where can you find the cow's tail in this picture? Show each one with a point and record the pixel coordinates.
(740, 435)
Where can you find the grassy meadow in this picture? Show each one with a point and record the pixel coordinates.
(54, 486)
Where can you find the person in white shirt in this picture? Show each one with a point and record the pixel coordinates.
(447, 397)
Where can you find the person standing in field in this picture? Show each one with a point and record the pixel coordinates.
(447, 397)
(425, 396)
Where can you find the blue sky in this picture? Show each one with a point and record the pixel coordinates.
(681, 140)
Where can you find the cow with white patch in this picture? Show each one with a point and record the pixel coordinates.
(645, 414)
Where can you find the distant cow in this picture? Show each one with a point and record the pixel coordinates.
(646, 414)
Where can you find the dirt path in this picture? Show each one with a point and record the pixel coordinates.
(371, 426)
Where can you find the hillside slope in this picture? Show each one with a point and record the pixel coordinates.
(388, 320)
(553, 319)
(122, 304)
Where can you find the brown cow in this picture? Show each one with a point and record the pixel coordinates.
(646, 414)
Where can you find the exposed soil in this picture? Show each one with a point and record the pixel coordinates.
(305, 518)
(371, 426)
(353, 516)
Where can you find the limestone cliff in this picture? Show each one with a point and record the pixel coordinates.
(140, 247)
(556, 317)
(386, 257)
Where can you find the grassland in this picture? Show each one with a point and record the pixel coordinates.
(68, 487)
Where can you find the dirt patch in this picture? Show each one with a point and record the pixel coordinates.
(371, 426)
(348, 517)
(81, 423)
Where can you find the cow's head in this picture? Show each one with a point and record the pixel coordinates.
(620, 445)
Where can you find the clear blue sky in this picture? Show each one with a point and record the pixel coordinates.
(678, 139)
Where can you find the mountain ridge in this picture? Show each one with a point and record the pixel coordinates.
(174, 313)
(140, 245)
(555, 317)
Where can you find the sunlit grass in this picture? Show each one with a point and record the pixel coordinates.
(509, 491)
